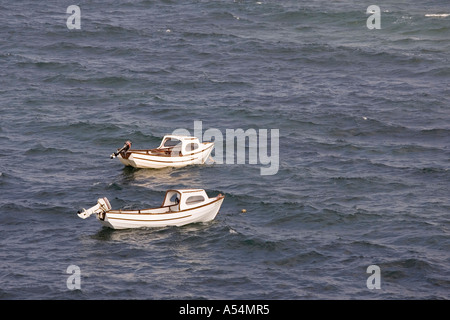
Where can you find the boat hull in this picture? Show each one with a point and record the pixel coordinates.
(117, 219)
(146, 160)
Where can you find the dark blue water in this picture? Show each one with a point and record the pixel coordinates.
(364, 156)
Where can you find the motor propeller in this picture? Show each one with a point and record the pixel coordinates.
(125, 148)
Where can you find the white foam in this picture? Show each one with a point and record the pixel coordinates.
(438, 15)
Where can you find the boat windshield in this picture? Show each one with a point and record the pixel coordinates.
(171, 142)
(175, 198)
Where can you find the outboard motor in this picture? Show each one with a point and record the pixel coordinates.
(124, 149)
(100, 208)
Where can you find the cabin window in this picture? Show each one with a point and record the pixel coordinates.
(171, 142)
(194, 199)
(175, 199)
(191, 146)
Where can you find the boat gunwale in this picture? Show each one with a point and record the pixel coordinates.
(138, 212)
(176, 218)
(145, 152)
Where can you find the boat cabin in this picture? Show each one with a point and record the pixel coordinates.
(178, 200)
(182, 144)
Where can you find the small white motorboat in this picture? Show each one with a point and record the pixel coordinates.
(180, 207)
(174, 151)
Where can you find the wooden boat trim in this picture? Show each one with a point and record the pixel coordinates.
(169, 159)
(186, 191)
(137, 212)
(114, 218)
(145, 152)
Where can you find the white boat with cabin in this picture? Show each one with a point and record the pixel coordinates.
(174, 151)
(180, 207)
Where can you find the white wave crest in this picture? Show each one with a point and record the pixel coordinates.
(438, 15)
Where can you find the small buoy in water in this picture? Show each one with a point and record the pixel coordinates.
(243, 210)
(365, 118)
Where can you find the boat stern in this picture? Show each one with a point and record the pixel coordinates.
(128, 160)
